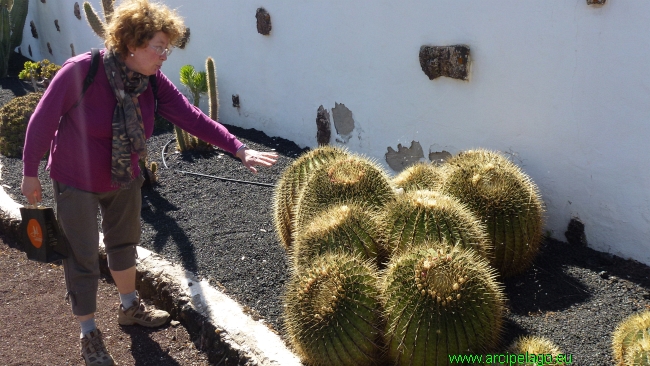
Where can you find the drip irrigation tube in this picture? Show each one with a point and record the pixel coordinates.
(163, 153)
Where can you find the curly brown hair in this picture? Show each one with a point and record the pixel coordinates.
(135, 22)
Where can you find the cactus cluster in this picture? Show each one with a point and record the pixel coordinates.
(437, 237)
(629, 334)
(505, 199)
(13, 14)
(14, 117)
(440, 300)
(332, 311)
(40, 72)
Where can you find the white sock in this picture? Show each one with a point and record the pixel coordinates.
(87, 326)
(128, 299)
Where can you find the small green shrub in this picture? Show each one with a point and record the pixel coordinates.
(40, 72)
(14, 117)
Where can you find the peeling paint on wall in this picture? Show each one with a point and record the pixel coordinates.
(343, 121)
(596, 2)
(403, 157)
(77, 12)
(72, 49)
(323, 129)
(439, 157)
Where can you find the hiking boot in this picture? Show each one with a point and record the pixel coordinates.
(93, 350)
(138, 313)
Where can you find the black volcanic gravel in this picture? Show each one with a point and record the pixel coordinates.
(224, 231)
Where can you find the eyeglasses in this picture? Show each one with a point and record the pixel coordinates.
(162, 51)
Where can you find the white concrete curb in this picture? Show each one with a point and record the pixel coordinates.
(211, 313)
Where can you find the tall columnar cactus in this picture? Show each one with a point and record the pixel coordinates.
(332, 312)
(353, 179)
(440, 300)
(345, 228)
(12, 21)
(535, 347)
(213, 92)
(419, 216)
(290, 186)
(95, 22)
(419, 176)
(505, 199)
(628, 333)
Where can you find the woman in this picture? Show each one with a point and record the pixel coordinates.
(95, 143)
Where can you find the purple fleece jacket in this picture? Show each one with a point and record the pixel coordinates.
(80, 138)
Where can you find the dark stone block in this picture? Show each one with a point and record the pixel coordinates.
(184, 39)
(56, 24)
(33, 27)
(263, 21)
(77, 12)
(575, 233)
(235, 100)
(450, 61)
(323, 127)
(596, 2)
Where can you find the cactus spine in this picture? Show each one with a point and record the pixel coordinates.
(628, 333)
(504, 199)
(419, 216)
(419, 176)
(537, 347)
(350, 179)
(440, 300)
(341, 228)
(12, 22)
(213, 92)
(332, 312)
(291, 184)
(639, 354)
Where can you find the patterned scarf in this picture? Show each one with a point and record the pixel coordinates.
(128, 128)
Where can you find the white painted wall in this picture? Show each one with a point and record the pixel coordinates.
(559, 84)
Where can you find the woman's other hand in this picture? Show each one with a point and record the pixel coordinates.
(31, 188)
(251, 158)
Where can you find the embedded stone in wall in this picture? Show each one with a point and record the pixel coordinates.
(235, 100)
(596, 2)
(263, 21)
(72, 49)
(450, 61)
(56, 24)
(184, 39)
(323, 129)
(439, 157)
(49, 48)
(77, 11)
(33, 27)
(403, 157)
(343, 121)
(575, 233)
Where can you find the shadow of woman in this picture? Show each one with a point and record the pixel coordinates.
(166, 227)
(146, 351)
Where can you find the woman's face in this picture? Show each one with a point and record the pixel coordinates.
(147, 60)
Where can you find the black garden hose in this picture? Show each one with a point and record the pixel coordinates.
(164, 149)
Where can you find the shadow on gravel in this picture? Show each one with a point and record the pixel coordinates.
(545, 286)
(156, 215)
(143, 348)
(17, 87)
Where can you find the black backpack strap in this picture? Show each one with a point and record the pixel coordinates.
(154, 89)
(90, 77)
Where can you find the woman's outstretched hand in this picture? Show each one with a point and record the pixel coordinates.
(252, 158)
